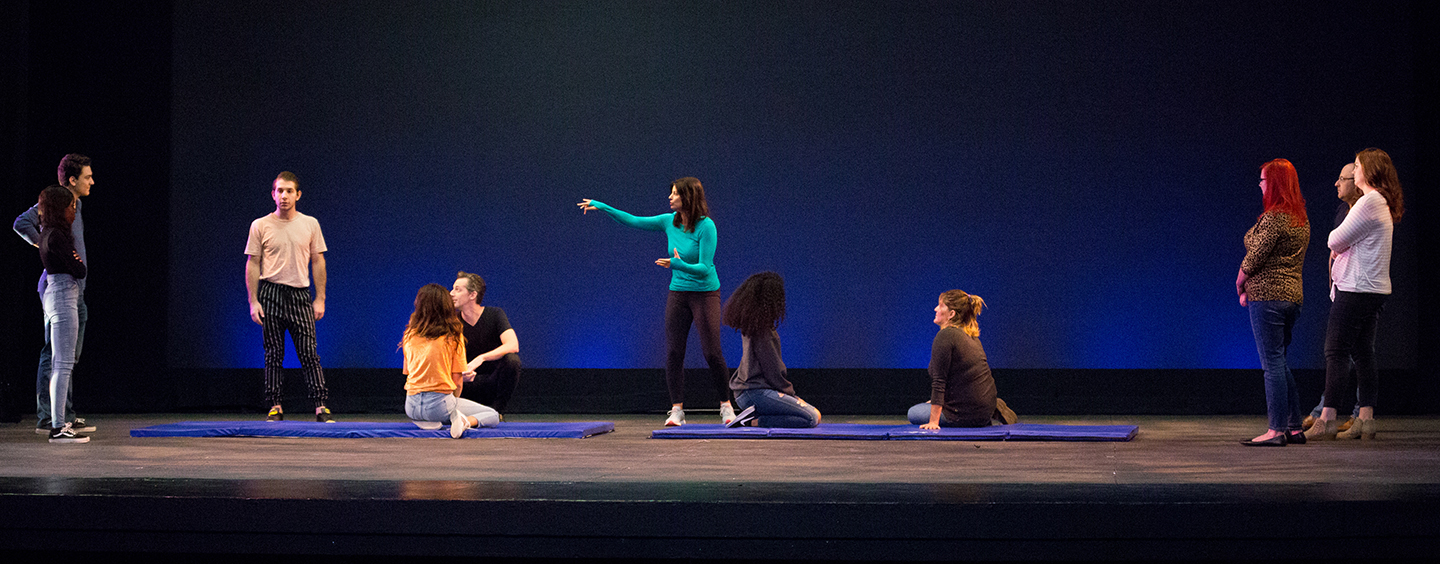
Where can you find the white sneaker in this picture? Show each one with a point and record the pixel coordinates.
(676, 418)
(458, 424)
(727, 413)
(428, 425)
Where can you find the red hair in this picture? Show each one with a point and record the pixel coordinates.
(1283, 193)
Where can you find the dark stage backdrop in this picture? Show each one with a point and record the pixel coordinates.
(1089, 168)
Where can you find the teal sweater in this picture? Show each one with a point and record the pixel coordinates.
(694, 271)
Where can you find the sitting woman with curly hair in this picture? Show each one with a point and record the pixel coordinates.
(760, 387)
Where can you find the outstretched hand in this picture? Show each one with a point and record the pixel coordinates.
(585, 205)
(665, 262)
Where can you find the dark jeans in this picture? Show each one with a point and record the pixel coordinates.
(494, 389)
(773, 409)
(1272, 322)
(1350, 336)
(703, 310)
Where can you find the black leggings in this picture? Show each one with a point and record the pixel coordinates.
(702, 309)
(1351, 336)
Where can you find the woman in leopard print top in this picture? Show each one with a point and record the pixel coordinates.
(1269, 285)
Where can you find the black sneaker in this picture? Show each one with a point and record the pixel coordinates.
(323, 416)
(67, 435)
(81, 426)
(742, 418)
(275, 415)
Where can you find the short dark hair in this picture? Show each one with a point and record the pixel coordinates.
(476, 284)
(53, 202)
(72, 165)
(289, 176)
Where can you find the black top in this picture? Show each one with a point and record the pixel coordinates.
(484, 335)
(760, 365)
(960, 378)
(57, 253)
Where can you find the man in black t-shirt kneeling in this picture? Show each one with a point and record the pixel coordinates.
(490, 344)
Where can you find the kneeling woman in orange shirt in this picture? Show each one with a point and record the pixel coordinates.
(435, 367)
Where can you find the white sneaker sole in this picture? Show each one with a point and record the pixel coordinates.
(458, 425)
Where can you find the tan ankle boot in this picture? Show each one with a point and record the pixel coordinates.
(1361, 429)
(1322, 430)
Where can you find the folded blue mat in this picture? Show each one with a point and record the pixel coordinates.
(367, 430)
(1016, 432)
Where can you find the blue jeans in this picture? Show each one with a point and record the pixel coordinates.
(62, 316)
(435, 406)
(919, 414)
(773, 409)
(1272, 322)
(42, 375)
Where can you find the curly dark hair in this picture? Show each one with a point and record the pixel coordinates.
(757, 305)
(434, 316)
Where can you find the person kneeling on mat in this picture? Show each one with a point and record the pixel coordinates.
(767, 398)
(435, 367)
(962, 391)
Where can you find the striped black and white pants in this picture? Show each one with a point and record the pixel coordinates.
(289, 308)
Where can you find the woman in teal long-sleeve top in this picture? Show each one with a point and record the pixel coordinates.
(694, 288)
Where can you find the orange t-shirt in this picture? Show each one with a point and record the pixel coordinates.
(430, 364)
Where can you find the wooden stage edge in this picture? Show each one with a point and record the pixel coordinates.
(1183, 489)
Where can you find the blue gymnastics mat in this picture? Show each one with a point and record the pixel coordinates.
(364, 430)
(1016, 432)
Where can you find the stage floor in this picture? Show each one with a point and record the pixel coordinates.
(1182, 488)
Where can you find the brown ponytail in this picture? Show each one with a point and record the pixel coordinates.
(964, 311)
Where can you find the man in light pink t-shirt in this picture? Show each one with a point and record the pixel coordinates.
(285, 247)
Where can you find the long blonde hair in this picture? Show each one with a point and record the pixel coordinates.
(964, 311)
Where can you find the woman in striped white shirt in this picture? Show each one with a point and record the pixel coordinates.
(1361, 247)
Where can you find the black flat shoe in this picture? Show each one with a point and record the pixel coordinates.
(1296, 438)
(1277, 440)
